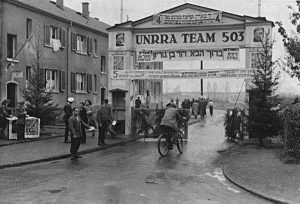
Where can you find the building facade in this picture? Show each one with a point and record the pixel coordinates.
(72, 47)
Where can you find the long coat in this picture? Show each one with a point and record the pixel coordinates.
(195, 108)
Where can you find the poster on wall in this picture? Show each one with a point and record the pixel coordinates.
(225, 54)
(175, 19)
(120, 39)
(118, 62)
(258, 34)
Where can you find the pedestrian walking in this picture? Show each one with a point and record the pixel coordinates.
(211, 107)
(195, 108)
(75, 124)
(177, 102)
(104, 118)
(84, 121)
(21, 114)
(3, 115)
(68, 113)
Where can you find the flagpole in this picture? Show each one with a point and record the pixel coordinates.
(19, 51)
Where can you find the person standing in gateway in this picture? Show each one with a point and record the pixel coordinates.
(104, 118)
(68, 114)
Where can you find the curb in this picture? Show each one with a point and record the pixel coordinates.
(31, 140)
(253, 191)
(64, 156)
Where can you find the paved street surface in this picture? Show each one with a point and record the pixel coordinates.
(133, 173)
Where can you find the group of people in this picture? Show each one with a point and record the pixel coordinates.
(21, 115)
(199, 106)
(78, 119)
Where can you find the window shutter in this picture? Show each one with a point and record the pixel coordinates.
(89, 83)
(62, 80)
(96, 83)
(91, 45)
(88, 45)
(63, 37)
(47, 35)
(95, 50)
(73, 82)
(73, 41)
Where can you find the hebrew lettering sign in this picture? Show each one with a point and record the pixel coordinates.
(177, 74)
(227, 54)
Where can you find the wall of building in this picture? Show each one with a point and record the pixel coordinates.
(64, 59)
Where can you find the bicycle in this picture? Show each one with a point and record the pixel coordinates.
(163, 144)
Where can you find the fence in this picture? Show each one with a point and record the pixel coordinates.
(291, 139)
(146, 122)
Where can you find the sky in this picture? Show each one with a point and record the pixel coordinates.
(109, 11)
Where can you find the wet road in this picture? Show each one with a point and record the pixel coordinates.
(134, 173)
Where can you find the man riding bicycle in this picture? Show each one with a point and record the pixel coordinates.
(170, 121)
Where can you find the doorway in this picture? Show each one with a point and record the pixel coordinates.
(11, 90)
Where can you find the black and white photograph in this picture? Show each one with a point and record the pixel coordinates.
(149, 101)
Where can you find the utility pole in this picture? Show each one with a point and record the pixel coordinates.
(259, 8)
(122, 10)
(201, 80)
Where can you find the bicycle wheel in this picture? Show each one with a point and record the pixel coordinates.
(163, 145)
(179, 142)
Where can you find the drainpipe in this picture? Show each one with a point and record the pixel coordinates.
(69, 44)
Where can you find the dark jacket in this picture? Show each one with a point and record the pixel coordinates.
(104, 114)
(75, 126)
(68, 111)
(21, 115)
(170, 118)
(83, 115)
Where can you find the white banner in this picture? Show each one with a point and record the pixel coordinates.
(189, 40)
(177, 74)
(227, 54)
(175, 19)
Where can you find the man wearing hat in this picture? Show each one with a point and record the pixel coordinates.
(68, 113)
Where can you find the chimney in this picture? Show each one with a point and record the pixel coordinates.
(60, 4)
(85, 10)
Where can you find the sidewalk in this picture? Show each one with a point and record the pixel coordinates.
(50, 146)
(260, 171)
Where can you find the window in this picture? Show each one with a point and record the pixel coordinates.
(95, 83)
(11, 46)
(141, 86)
(80, 82)
(27, 76)
(81, 44)
(52, 80)
(55, 37)
(28, 27)
(157, 88)
(103, 94)
(95, 47)
(103, 62)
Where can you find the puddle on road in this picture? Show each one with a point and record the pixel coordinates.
(218, 174)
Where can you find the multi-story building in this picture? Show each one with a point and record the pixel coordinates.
(73, 48)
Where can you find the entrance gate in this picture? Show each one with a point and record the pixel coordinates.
(184, 33)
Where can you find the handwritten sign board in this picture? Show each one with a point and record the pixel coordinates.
(177, 74)
(180, 19)
(32, 127)
(227, 54)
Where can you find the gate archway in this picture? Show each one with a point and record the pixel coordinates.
(190, 32)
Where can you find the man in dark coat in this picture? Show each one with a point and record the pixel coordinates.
(138, 103)
(68, 114)
(104, 118)
(75, 129)
(84, 120)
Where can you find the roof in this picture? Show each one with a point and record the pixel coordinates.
(65, 13)
(196, 7)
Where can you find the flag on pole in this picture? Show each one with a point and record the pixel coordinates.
(30, 45)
